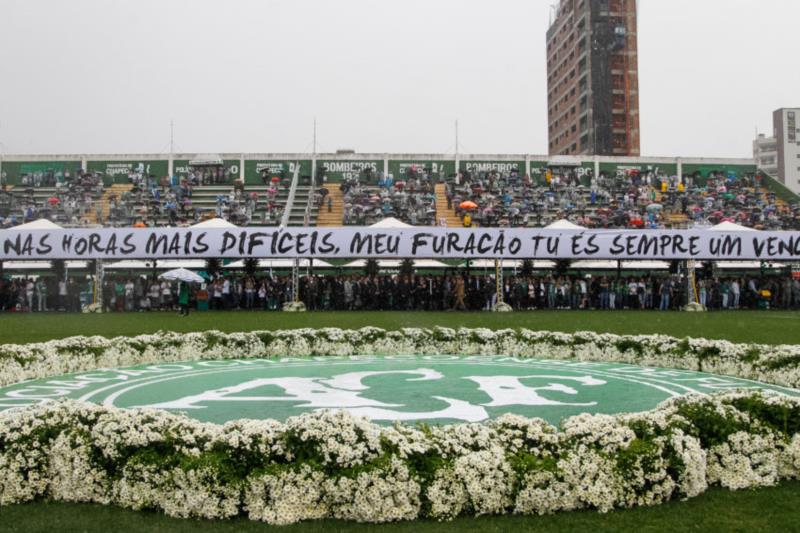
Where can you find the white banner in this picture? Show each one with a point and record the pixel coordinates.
(418, 242)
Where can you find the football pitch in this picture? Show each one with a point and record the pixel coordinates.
(778, 327)
(773, 509)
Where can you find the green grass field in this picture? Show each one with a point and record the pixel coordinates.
(776, 509)
(741, 326)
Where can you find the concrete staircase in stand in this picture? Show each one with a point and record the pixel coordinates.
(451, 219)
(336, 217)
(114, 190)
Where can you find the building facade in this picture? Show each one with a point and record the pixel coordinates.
(593, 78)
(786, 126)
(765, 154)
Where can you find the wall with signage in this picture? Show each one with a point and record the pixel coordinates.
(341, 169)
(118, 171)
(622, 169)
(13, 171)
(230, 169)
(255, 170)
(702, 171)
(399, 169)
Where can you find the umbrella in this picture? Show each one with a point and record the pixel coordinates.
(181, 274)
(655, 207)
(53, 200)
(468, 205)
(275, 179)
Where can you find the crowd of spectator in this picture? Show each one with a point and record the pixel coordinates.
(71, 198)
(411, 199)
(452, 291)
(628, 200)
(169, 201)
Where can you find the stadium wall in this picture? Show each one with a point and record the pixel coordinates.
(248, 166)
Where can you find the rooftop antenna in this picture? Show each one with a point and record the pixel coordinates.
(456, 136)
(315, 137)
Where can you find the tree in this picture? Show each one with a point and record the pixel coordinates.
(527, 268)
(562, 266)
(250, 266)
(213, 266)
(407, 267)
(59, 268)
(372, 268)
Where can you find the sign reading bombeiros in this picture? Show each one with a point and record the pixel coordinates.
(417, 242)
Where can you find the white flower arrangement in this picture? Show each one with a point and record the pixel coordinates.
(776, 364)
(335, 465)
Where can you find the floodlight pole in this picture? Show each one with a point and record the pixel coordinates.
(296, 281)
(498, 276)
(99, 272)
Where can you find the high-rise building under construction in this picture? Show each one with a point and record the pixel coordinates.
(593, 78)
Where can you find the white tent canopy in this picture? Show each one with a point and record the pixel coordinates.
(41, 265)
(282, 263)
(395, 263)
(181, 274)
(42, 223)
(507, 263)
(563, 224)
(206, 160)
(730, 226)
(161, 264)
(214, 223)
(391, 222)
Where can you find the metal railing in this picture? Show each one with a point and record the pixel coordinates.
(287, 211)
(309, 205)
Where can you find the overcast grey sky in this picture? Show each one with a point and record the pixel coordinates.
(106, 76)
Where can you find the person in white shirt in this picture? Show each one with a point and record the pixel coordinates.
(736, 293)
(226, 294)
(29, 294)
(166, 295)
(62, 294)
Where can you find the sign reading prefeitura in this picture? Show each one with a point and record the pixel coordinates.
(119, 171)
(339, 170)
(435, 389)
(255, 170)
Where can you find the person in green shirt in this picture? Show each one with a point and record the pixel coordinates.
(183, 298)
(119, 294)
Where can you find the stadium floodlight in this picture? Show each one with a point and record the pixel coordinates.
(2, 153)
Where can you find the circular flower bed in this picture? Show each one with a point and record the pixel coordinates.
(331, 464)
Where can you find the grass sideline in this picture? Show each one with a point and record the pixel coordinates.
(736, 326)
(775, 509)
(771, 509)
